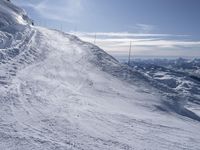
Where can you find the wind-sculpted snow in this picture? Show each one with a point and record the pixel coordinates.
(10, 14)
(58, 93)
(18, 49)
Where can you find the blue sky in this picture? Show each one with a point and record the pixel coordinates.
(156, 27)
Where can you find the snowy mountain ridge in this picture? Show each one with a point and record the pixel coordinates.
(10, 14)
(58, 92)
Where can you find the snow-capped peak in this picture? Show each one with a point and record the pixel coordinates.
(11, 14)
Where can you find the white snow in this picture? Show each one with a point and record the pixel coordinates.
(58, 92)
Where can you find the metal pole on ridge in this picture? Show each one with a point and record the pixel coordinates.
(129, 56)
(95, 37)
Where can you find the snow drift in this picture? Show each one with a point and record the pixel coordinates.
(58, 92)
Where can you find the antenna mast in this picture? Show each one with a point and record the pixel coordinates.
(129, 56)
(95, 37)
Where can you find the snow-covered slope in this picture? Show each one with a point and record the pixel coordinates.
(58, 92)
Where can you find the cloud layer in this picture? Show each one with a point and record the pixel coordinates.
(143, 43)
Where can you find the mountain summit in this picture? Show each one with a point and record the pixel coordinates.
(11, 14)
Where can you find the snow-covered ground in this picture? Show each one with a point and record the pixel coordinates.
(178, 75)
(58, 92)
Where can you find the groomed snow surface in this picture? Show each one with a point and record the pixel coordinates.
(60, 93)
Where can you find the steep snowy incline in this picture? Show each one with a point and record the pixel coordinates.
(66, 101)
(58, 92)
(15, 39)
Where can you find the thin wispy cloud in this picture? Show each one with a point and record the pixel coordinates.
(143, 43)
(145, 28)
(62, 10)
(142, 28)
(125, 34)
